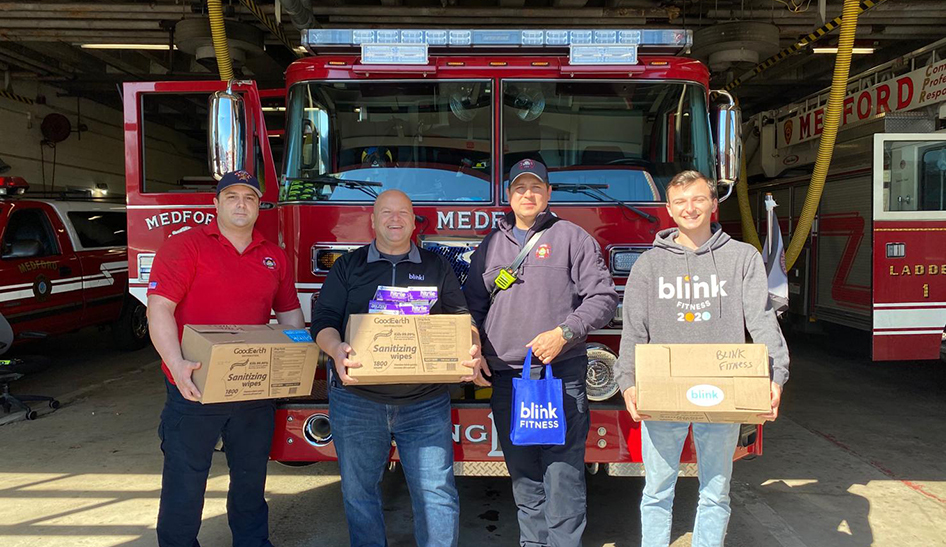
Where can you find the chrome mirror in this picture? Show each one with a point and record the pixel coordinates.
(728, 144)
(226, 133)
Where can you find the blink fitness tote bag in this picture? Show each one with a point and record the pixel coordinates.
(538, 415)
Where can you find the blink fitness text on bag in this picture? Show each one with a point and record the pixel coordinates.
(534, 416)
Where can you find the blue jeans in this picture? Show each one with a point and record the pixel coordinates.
(362, 432)
(661, 445)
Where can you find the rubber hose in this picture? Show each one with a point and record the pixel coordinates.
(749, 233)
(842, 69)
(219, 32)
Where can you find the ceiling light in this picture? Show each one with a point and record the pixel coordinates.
(833, 50)
(274, 109)
(153, 47)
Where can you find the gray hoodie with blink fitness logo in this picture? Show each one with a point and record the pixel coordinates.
(714, 294)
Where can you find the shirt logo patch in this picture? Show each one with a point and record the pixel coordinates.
(418, 277)
(153, 285)
(544, 251)
(269, 263)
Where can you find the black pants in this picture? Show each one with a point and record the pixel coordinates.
(548, 482)
(189, 432)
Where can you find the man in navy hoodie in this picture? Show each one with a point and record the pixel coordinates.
(729, 295)
(563, 292)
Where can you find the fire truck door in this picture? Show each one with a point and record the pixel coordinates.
(169, 187)
(909, 231)
(41, 276)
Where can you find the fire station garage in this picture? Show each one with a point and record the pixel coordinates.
(166, 160)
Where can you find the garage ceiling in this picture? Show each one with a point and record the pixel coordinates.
(51, 40)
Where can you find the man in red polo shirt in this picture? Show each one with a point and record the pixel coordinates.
(224, 272)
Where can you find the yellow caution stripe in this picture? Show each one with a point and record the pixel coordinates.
(812, 37)
(15, 97)
(269, 23)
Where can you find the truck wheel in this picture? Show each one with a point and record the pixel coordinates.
(131, 329)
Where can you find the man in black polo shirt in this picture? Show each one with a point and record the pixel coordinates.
(417, 416)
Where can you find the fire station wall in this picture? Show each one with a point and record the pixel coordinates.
(94, 156)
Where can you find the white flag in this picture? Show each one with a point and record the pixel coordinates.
(773, 254)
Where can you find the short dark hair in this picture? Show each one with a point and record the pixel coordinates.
(686, 178)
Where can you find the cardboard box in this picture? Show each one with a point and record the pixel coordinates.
(726, 383)
(250, 362)
(405, 349)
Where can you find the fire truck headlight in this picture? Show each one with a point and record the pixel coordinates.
(600, 381)
(323, 258)
(623, 259)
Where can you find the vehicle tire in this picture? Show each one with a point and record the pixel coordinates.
(54, 404)
(31, 415)
(131, 329)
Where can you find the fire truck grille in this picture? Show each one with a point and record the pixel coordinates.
(457, 254)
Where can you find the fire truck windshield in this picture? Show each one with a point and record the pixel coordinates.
(430, 139)
(628, 138)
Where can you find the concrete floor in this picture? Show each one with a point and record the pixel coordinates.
(857, 459)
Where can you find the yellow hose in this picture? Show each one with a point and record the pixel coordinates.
(832, 120)
(749, 233)
(219, 32)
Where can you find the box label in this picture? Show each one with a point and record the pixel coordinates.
(705, 395)
(298, 335)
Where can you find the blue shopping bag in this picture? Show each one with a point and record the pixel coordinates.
(538, 415)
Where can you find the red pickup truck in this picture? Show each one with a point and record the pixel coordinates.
(64, 266)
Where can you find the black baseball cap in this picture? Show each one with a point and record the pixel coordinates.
(239, 177)
(530, 167)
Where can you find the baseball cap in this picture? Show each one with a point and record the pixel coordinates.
(531, 167)
(239, 177)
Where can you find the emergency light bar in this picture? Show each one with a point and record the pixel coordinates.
(586, 46)
(13, 186)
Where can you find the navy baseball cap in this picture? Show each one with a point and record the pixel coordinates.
(530, 167)
(239, 177)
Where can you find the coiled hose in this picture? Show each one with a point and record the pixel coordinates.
(842, 69)
(219, 32)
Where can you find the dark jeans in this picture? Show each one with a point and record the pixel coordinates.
(362, 431)
(548, 482)
(189, 432)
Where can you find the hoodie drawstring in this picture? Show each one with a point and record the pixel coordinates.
(719, 296)
(686, 258)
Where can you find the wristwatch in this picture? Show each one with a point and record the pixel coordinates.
(567, 333)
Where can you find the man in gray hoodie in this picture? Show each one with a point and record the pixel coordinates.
(697, 285)
(562, 292)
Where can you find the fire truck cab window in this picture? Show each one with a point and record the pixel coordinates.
(628, 139)
(174, 143)
(347, 141)
(914, 176)
(28, 235)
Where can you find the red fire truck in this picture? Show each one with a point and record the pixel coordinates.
(876, 257)
(443, 115)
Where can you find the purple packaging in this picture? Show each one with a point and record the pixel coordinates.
(418, 307)
(392, 294)
(423, 293)
(387, 308)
